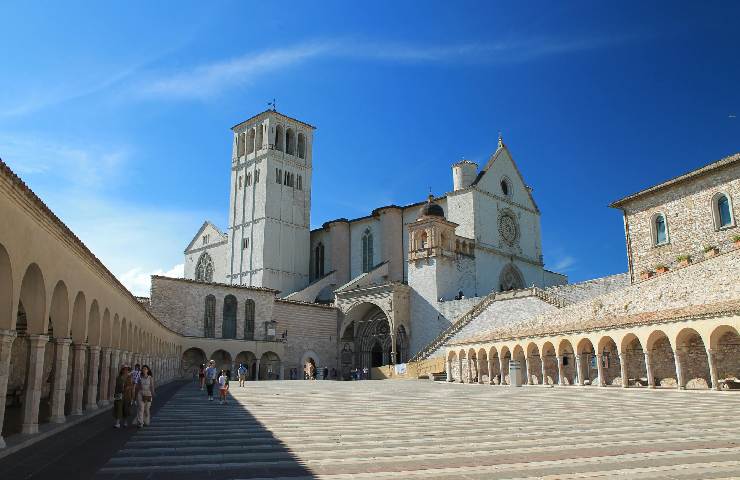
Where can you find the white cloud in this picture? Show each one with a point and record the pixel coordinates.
(208, 79)
(138, 281)
(564, 264)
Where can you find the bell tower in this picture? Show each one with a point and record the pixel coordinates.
(270, 202)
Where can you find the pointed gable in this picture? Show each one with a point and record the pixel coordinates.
(215, 237)
(502, 168)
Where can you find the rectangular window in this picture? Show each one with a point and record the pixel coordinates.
(240, 181)
(285, 178)
(256, 176)
(277, 175)
(300, 182)
(245, 243)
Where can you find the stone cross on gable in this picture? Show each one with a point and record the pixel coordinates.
(272, 104)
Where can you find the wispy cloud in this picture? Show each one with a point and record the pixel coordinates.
(74, 179)
(208, 79)
(564, 264)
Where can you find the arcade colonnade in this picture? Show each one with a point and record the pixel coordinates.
(692, 354)
(264, 359)
(66, 323)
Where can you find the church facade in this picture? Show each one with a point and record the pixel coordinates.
(398, 276)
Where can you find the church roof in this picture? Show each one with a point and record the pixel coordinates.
(501, 148)
(206, 224)
(218, 284)
(729, 160)
(376, 212)
(276, 113)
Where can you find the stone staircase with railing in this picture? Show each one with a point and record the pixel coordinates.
(465, 319)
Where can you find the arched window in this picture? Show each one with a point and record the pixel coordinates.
(301, 145)
(319, 260)
(660, 230)
(505, 188)
(300, 182)
(424, 239)
(367, 251)
(240, 140)
(510, 278)
(209, 318)
(204, 268)
(249, 320)
(228, 329)
(290, 142)
(279, 138)
(249, 179)
(722, 211)
(250, 141)
(260, 137)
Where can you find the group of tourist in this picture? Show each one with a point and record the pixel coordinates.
(133, 396)
(210, 376)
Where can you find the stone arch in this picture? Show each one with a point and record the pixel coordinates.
(106, 329)
(611, 363)
(724, 343)
(116, 332)
(270, 366)
(534, 364)
(222, 359)
(567, 362)
(7, 321)
(59, 311)
(301, 145)
(289, 141)
(33, 298)
(279, 138)
(93, 328)
(454, 365)
(367, 333)
(549, 359)
(259, 139)
(192, 359)
(632, 355)
(251, 137)
(504, 359)
(518, 355)
(586, 356)
(249, 319)
(402, 345)
(494, 367)
(511, 278)
(692, 355)
(484, 376)
(662, 359)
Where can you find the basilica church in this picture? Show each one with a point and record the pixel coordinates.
(396, 277)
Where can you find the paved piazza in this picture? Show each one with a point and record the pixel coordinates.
(419, 429)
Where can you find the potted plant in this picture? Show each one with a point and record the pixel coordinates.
(710, 251)
(736, 241)
(660, 268)
(645, 274)
(683, 260)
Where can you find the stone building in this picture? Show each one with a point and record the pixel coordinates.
(399, 275)
(674, 327)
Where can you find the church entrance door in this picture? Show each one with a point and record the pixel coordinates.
(377, 355)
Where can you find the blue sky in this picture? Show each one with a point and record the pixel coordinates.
(119, 116)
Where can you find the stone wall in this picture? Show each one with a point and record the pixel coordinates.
(310, 329)
(688, 211)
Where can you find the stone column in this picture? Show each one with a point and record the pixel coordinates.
(600, 370)
(526, 368)
(59, 387)
(491, 358)
(115, 364)
(649, 370)
(559, 359)
(78, 376)
(104, 375)
(623, 369)
(678, 357)
(449, 370)
(6, 345)
(502, 374)
(544, 371)
(91, 402)
(580, 369)
(712, 369)
(282, 372)
(257, 368)
(34, 383)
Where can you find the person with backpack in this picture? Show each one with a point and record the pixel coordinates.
(242, 372)
(211, 377)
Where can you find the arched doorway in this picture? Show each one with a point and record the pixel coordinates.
(366, 339)
(270, 366)
(222, 359)
(248, 359)
(376, 355)
(192, 359)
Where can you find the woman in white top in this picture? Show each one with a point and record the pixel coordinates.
(144, 396)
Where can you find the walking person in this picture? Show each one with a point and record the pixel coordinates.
(326, 373)
(223, 386)
(123, 394)
(202, 375)
(242, 374)
(211, 377)
(144, 396)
